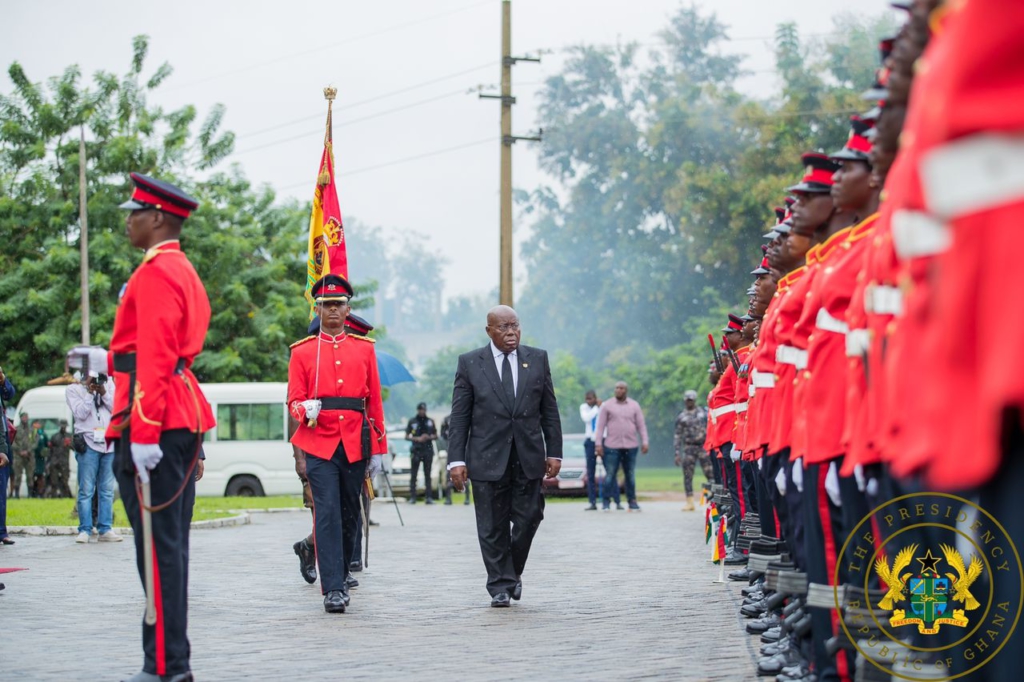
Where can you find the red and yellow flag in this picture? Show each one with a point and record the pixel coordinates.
(326, 252)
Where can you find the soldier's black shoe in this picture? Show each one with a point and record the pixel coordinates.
(334, 602)
(307, 560)
(143, 676)
(735, 559)
(448, 501)
(356, 566)
(429, 499)
(741, 575)
(500, 600)
(350, 581)
(517, 590)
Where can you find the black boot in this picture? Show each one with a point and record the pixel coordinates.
(307, 560)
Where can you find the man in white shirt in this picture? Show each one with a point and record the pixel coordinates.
(92, 403)
(589, 411)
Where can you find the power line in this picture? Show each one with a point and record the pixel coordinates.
(349, 122)
(417, 157)
(347, 41)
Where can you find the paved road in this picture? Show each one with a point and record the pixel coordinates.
(607, 596)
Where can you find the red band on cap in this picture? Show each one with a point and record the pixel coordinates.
(859, 144)
(822, 176)
(160, 203)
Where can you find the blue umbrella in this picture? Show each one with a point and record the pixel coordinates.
(391, 370)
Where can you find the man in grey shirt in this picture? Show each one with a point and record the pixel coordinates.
(92, 403)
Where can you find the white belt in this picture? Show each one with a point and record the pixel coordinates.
(789, 355)
(751, 390)
(763, 379)
(726, 409)
(973, 173)
(857, 342)
(916, 234)
(830, 324)
(883, 300)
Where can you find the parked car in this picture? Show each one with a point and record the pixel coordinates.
(399, 468)
(572, 478)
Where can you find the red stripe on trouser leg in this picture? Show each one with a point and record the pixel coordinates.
(739, 490)
(158, 627)
(778, 525)
(825, 514)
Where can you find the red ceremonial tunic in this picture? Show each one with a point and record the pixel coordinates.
(763, 374)
(802, 330)
(787, 357)
(842, 259)
(971, 170)
(750, 447)
(347, 369)
(742, 399)
(162, 317)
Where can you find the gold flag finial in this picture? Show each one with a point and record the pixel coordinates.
(330, 93)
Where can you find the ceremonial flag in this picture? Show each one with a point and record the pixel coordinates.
(710, 516)
(326, 251)
(723, 539)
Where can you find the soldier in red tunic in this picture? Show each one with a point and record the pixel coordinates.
(160, 412)
(334, 394)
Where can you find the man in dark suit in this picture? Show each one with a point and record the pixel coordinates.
(505, 435)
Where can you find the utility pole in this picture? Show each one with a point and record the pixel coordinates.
(507, 140)
(83, 237)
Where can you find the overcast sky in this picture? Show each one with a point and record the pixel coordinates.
(268, 60)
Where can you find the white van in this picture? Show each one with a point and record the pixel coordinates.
(247, 454)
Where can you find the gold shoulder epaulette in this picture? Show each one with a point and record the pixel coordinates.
(150, 255)
(301, 341)
(362, 338)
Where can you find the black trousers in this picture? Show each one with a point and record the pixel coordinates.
(823, 539)
(426, 458)
(508, 513)
(335, 483)
(765, 507)
(164, 644)
(732, 483)
(748, 470)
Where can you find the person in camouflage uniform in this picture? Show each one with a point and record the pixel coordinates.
(691, 427)
(58, 468)
(23, 447)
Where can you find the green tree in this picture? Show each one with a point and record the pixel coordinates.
(249, 250)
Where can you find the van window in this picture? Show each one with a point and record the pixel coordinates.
(250, 422)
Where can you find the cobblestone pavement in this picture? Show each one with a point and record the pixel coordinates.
(607, 596)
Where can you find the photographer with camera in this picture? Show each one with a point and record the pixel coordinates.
(92, 404)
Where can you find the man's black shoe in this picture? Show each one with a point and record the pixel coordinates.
(500, 600)
(356, 566)
(429, 499)
(592, 507)
(350, 581)
(307, 560)
(517, 590)
(334, 602)
(735, 559)
(448, 501)
(742, 575)
(412, 499)
(371, 522)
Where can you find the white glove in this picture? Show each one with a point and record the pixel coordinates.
(832, 485)
(872, 487)
(735, 454)
(858, 473)
(780, 482)
(760, 464)
(312, 408)
(146, 457)
(375, 466)
(798, 473)
(94, 355)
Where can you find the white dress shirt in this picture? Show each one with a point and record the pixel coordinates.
(91, 421)
(589, 413)
(513, 359)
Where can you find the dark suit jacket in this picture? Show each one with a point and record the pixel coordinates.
(484, 426)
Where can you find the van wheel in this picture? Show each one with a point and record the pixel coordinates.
(244, 486)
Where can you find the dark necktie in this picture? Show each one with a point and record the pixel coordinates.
(506, 380)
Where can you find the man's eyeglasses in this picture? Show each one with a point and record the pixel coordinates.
(511, 326)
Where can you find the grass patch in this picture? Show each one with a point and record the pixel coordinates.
(665, 479)
(33, 512)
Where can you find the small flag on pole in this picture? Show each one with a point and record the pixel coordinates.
(723, 539)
